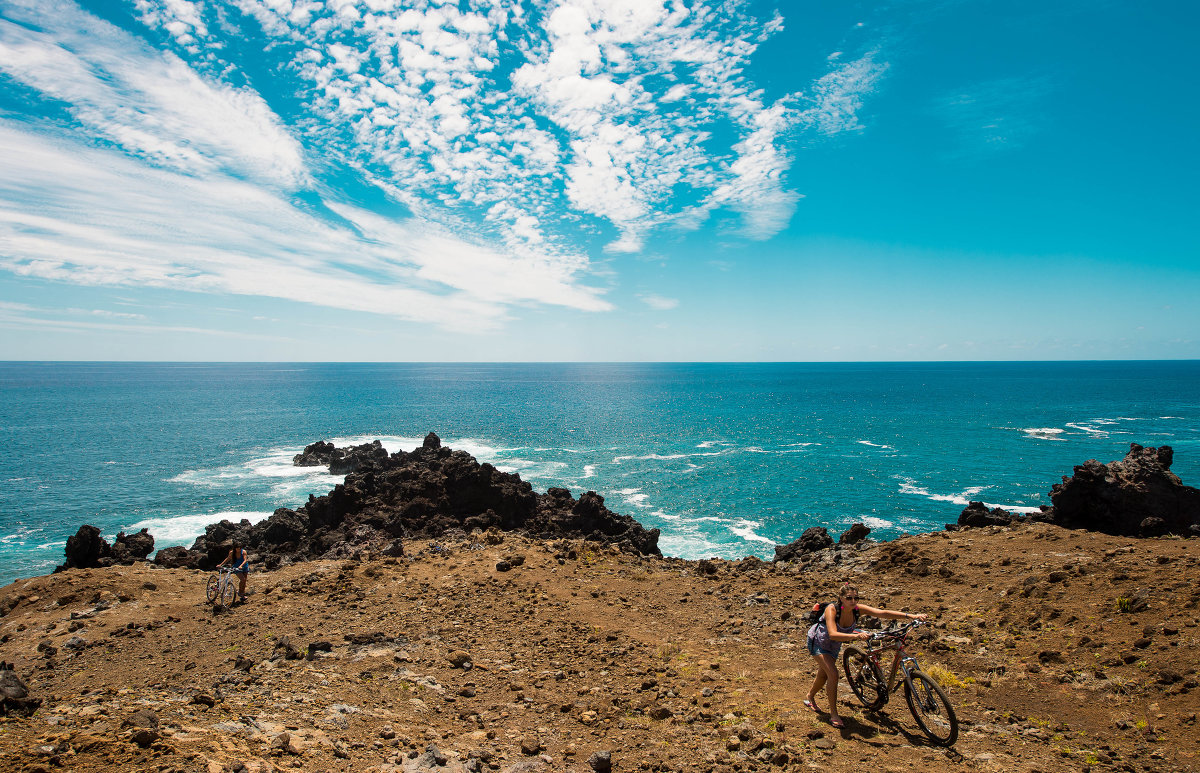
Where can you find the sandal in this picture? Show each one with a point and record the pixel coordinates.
(811, 705)
(837, 722)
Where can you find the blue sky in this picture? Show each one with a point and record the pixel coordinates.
(598, 180)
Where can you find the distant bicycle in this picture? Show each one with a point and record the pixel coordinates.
(926, 700)
(222, 587)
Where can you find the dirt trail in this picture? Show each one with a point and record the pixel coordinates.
(578, 650)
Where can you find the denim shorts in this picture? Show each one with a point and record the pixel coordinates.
(816, 649)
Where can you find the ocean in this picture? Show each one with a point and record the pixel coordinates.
(726, 459)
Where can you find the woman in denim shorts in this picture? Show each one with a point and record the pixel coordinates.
(839, 624)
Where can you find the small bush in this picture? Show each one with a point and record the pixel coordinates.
(944, 676)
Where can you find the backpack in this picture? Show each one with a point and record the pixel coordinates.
(818, 611)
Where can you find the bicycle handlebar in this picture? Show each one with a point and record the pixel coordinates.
(897, 633)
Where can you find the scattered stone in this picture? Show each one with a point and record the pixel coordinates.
(601, 762)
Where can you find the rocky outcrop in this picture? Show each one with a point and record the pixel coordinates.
(976, 514)
(86, 548)
(424, 493)
(813, 539)
(1137, 496)
(340, 461)
(854, 535)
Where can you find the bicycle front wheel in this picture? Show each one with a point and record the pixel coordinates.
(865, 678)
(931, 708)
(213, 588)
(229, 592)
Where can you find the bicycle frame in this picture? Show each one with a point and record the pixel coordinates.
(225, 579)
(903, 662)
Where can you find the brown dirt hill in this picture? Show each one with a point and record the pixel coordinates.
(579, 649)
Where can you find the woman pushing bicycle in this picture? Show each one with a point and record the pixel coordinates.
(838, 624)
(240, 562)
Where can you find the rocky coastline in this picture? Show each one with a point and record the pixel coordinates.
(433, 613)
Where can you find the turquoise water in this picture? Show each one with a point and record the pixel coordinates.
(725, 459)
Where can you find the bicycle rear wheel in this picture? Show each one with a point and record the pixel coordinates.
(931, 708)
(212, 587)
(228, 592)
(865, 678)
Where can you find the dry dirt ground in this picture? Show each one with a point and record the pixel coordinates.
(577, 650)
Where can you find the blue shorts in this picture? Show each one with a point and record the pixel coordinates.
(816, 649)
(242, 570)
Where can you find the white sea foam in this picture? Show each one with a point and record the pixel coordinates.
(664, 516)
(711, 443)
(390, 443)
(690, 546)
(589, 471)
(745, 529)
(962, 498)
(875, 523)
(874, 445)
(666, 457)
(634, 497)
(1044, 433)
(528, 468)
(182, 529)
(1088, 429)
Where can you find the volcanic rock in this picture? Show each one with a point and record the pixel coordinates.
(1137, 496)
(976, 514)
(85, 548)
(316, 454)
(813, 539)
(14, 694)
(132, 547)
(176, 557)
(855, 534)
(340, 461)
(424, 493)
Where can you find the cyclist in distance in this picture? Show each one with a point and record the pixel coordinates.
(838, 624)
(240, 561)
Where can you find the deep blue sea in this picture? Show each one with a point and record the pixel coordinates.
(726, 459)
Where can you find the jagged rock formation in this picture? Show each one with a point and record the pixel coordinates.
(854, 535)
(976, 514)
(1137, 496)
(424, 493)
(341, 461)
(813, 539)
(87, 549)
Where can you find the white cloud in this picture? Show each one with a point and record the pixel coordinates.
(658, 302)
(446, 106)
(150, 104)
(87, 216)
(509, 127)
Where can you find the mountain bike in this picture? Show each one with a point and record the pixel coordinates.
(926, 699)
(222, 586)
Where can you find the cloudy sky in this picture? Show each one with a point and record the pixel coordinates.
(598, 180)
